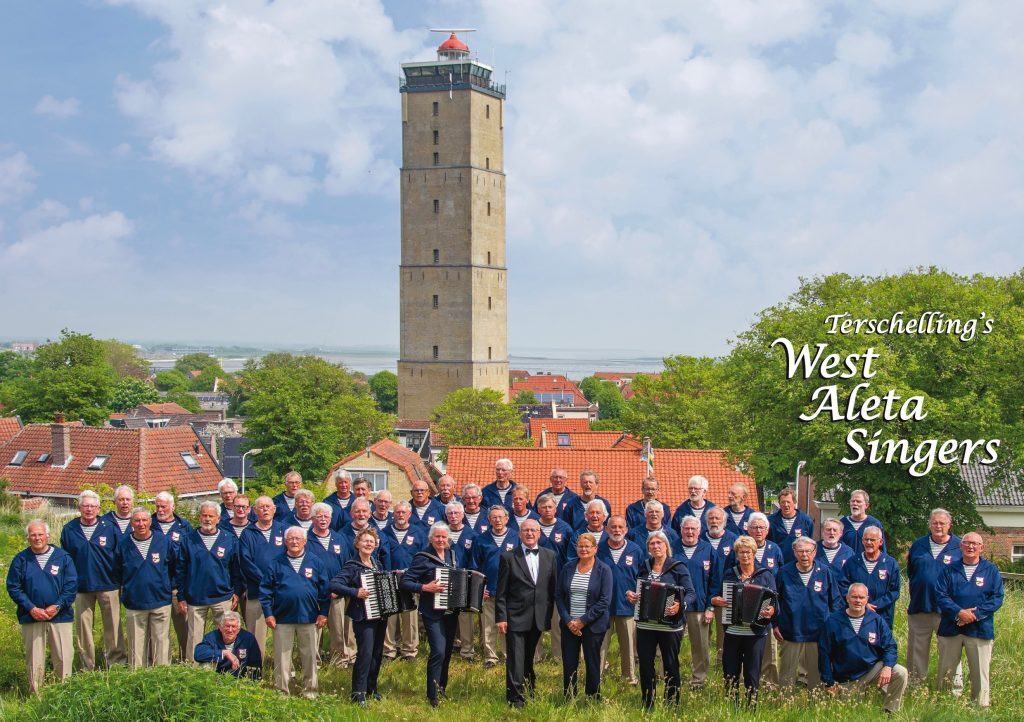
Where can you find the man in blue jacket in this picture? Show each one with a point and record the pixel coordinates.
(636, 512)
(340, 499)
(858, 520)
(285, 501)
(425, 511)
(562, 495)
(878, 571)
(208, 578)
(231, 649)
(705, 568)
(259, 544)
(652, 521)
(968, 593)
(42, 582)
(295, 604)
(857, 651)
(623, 557)
(576, 514)
(165, 521)
(333, 549)
(831, 549)
(124, 502)
(696, 505)
(555, 535)
(404, 539)
(92, 544)
(144, 564)
(721, 540)
(808, 594)
(498, 492)
(788, 524)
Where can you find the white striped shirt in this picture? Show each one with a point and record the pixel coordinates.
(325, 541)
(578, 594)
(122, 522)
(238, 529)
(936, 548)
(870, 565)
(296, 562)
(616, 553)
(209, 540)
(471, 519)
(143, 544)
(43, 558)
(969, 570)
(688, 551)
(714, 542)
(805, 577)
(89, 529)
(788, 523)
(855, 622)
(830, 554)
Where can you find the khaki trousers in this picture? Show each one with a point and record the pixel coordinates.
(285, 636)
(468, 622)
(893, 691)
(180, 623)
(113, 638)
(979, 661)
(625, 630)
(700, 647)
(719, 634)
(257, 625)
(405, 628)
(149, 636)
(34, 636)
(196, 617)
(770, 661)
(340, 651)
(489, 633)
(796, 658)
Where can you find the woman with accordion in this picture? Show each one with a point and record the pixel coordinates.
(749, 594)
(664, 591)
(441, 623)
(369, 633)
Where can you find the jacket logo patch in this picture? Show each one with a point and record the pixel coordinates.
(817, 585)
(770, 562)
(798, 532)
(726, 550)
(156, 557)
(980, 581)
(707, 565)
(103, 541)
(483, 528)
(337, 548)
(947, 558)
(430, 520)
(243, 653)
(508, 546)
(872, 637)
(468, 543)
(175, 536)
(278, 541)
(629, 560)
(558, 537)
(54, 569)
(308, 572)
(220, 552)
(882, 574)
(409, 540)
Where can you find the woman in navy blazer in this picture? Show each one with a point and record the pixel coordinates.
(584, 623)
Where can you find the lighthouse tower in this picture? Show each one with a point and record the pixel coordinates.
(453, 277)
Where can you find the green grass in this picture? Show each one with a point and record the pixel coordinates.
(475, 693)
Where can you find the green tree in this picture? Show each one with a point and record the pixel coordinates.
(129, 392)
(305, 414)
(205, 381)
(384, 387)
(605, 394)
(479, 417)
(125, 360)
(13, 365)
(972, 389)
(170, 380)
(198, 362)
(525, 398)
(183, 399)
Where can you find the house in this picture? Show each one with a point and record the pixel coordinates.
(57, 460)
(155, 416)
(553, 425)
(550, 388)
(621, 470)
(421, 436)
(585, 439)
(387, 465)
(622, 378)
(9, 426)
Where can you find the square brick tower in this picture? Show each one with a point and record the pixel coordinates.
(454, 282)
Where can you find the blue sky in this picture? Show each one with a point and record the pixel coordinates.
(227, 171)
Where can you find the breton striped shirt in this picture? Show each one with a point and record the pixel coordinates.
(855, 622)
(43, 558)
(143, 545)
(296, 562)
(88, 530)
(578, 594)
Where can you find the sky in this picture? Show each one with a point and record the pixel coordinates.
(228, 171)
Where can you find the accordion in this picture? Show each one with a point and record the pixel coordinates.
(386, 598)
(744, 602)
(652, 600)
(463, 590)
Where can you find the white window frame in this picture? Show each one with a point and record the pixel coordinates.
(1017, 552)
(373, 476)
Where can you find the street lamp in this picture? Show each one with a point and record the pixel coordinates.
(254, 452)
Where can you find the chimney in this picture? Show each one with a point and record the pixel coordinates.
(543, 436)
(60, 441)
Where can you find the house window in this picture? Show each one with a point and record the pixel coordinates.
(435, 300)
(437, 206)
(190, 461)
(437, 159)
(157, 423)
(378, 479)
(1017, 553)
(19, 457)
(44, 457)
(563, 440)
(97, 463)
(437, 255)
(435, 352)
(437, 109)
(436, 137)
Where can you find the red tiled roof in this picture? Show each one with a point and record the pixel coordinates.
(591, 440)
(547, 384)
(147, 459)
(9, 426)
(162, 409)
(556, 426)
(621, 470)
(623, 377)
(412, 424)
(409, 461)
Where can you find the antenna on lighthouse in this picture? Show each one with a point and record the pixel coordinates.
(452, 48)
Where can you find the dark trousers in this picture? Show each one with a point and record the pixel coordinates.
(648, 642)
(742, 652)
(440, 636)
(369, 654)
(571, 645)
(519, 675)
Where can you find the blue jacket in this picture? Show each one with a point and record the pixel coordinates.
(730, 525)
(401, 554)
(558, 541)
(984, 592)
(228, 527)
(771, 559)
(883, 584)
(623, 575)
(487, 555)
(178, 529)
(94, 558)
(639, 537)
(674, 572)
(491, 496)
(112, 518)
(599, 597)
(839, 561)
(283, 510)
(576, 515)
(423, 570)
(513, 523)
(339, 514)
(852, 537)
(464, 547)
(433, 514)
(347, 583)
(845, 655)
(211, 649)
(225, 514)
(923, 572)
(724, 545)
(205, 577)
(255, 554)
(686, 509)
(706, 568)
(762, 577)
(295, 597)
(339, 550)
(29, 586)
(803, 525)
(803, 609)
(636, 516)
(568, 496)
(147, 582)
(571, 554)
(482, 523)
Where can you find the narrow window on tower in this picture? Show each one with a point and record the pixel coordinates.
(437, 255)
(435, 351)
(437, 159)
(488, 258)
(487, 111)
(436, 109)
(437, 206)
(435, 300)
(436, 134)
(488, 353)
(488, 208)
(488, 303)
(487, 163)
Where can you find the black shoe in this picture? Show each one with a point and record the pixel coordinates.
(376, 697)
(434, 702)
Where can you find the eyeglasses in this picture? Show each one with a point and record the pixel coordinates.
(971, 544)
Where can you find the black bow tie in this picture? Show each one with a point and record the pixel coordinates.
(532, 551)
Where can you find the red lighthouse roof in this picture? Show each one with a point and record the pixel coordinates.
(453, 43)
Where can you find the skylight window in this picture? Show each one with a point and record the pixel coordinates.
(19, 457)
(97, 463)
(44, 457)
(563, 440)
(190, 461)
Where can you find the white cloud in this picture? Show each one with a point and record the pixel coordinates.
(16, 176)
(86, 251)
(62, 109)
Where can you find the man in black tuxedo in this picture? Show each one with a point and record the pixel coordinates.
(523, 606)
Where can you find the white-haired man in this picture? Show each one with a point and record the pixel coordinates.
(257, 548)
(167, 522)
(576, 515)
(285, 501)
(596, 517)
(340, 499)
(696, 505)
(636, 512)
(333, 549)
(403, 539)
(302, 513)
(499, 491)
